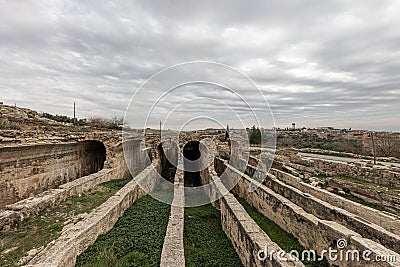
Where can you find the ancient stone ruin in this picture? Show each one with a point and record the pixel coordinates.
(319, 204)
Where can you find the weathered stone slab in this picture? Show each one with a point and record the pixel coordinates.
(382, 219)
(246, 236)
(173, 252)
(312, 232)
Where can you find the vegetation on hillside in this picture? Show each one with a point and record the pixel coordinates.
(5, 124)
(96, 122)
(64, 119)
(303, 140)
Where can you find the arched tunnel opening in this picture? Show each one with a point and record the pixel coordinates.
(191, 153)
(168, 151)
(96, 156)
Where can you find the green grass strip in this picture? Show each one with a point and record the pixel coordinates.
(136, 239)
(39, 230)
(205, 242)
(285, 240)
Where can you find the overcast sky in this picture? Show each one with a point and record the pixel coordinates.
(319, 63)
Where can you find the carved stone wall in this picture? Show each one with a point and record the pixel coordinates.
(29, 170)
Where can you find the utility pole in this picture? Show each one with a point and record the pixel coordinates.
(373, 147)
(74, 114)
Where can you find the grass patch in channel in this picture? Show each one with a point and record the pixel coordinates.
(350, 196)
(205, 242)
(285, 240)
(38, 230)
(136, 239)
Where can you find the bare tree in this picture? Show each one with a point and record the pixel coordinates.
(387, 145)
(100, 122)
(117, 121)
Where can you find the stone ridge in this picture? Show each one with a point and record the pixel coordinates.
(173, 254)
(312, 232)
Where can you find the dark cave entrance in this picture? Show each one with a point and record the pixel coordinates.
(191, 153)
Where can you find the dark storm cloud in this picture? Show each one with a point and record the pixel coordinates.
(318, 62)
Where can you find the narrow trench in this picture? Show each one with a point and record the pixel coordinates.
(285, 240)
(205, 243)
(204, 240)
(136, 239)
(138, 236)
(38, 230)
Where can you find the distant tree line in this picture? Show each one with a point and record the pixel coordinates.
(95, 122)
(64, 119)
